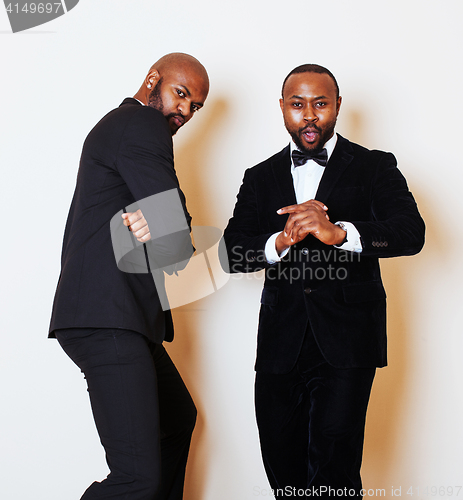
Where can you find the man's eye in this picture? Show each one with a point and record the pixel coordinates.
(296, 104)
(180, 93)
(321, 104)
(195, 108)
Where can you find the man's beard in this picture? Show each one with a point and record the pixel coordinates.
(155, 101)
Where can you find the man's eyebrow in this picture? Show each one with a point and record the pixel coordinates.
(186, 89)
(312, 98)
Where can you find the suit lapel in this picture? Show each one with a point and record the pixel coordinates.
(338, 162)
(281, 169)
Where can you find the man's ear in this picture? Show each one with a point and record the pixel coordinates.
(281, 104)
(152, 78)
(338, 105)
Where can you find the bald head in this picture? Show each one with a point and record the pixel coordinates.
(177, 61)
(177, 85)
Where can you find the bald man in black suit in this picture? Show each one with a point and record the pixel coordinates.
(111, 323)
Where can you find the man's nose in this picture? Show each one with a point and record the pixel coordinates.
(184, 109)
(309, 114)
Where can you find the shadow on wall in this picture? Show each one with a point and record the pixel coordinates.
(388, 407)
(386, 411)
(193, 163)
(186, 350)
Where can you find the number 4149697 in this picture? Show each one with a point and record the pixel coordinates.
(435, 491)
(33, 8)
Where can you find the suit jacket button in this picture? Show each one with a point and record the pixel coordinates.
(305, 251)
(307, 291)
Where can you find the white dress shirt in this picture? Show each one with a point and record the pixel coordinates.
(306, 179)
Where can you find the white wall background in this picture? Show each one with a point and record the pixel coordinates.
(398, 64)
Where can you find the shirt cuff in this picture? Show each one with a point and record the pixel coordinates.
(353, 243)
(271, 253)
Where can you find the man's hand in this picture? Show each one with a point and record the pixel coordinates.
(307, 218)
(138, 225)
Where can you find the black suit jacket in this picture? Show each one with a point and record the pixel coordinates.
(340, 293)
(127, 156)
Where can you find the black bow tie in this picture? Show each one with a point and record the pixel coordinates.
(300, 158)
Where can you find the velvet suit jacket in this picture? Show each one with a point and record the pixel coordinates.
(340, 293)
(127, 156)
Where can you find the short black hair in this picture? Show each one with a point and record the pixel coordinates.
(311, 68)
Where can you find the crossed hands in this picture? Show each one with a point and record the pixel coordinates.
(306, 218)
(138, 225)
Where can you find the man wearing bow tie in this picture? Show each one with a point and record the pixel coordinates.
(317, 216)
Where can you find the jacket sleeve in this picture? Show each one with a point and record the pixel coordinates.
(396, 227)
(243, 237)
(146, 164)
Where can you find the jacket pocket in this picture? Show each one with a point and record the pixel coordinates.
(363, 292)
(269, 296)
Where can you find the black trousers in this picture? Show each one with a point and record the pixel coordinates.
(142, 410)
(311, 426)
